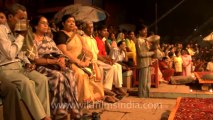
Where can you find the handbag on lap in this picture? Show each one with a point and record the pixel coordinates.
(55, 56)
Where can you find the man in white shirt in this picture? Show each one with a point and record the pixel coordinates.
(119, 54)
(111, 76)
(32, 85)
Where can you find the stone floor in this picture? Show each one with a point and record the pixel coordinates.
(158, 107)
(133, 108)
(174, 91)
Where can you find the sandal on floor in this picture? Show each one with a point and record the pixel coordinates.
(119, 96)
(86, 117)
(61, 114)
(96, 116)
(109, 99)
(109, 92)
(75, 114)
(116, 99)
(119, 91)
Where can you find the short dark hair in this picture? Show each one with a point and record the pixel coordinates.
(140, 27)
(165, 58)
(129, 32)
(170, 54)
(120, 43)
(101, 27)
(14, 8)
(34, 22)
(176, 52)
(64, 19)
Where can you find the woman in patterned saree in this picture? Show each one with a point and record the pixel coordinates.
(62, 84)
(72, 45)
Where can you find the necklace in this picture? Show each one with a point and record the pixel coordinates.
(39, 38)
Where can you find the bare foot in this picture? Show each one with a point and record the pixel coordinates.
(47, 118)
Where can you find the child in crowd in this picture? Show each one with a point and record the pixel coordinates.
(187, 63)
(178, 62)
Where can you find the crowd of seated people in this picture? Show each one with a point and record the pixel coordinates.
(73, 71)
(181, 60)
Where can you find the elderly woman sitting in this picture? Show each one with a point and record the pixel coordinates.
(62, 84)
(72, 45)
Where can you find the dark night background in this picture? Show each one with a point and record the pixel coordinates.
(191, 20)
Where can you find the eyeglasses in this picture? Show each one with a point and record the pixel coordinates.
(44, 23)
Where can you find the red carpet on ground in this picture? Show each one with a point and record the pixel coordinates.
(193, 109)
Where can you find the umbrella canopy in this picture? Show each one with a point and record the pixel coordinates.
(209, 37)
(81, 13)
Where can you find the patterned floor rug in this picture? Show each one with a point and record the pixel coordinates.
(193, 109)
